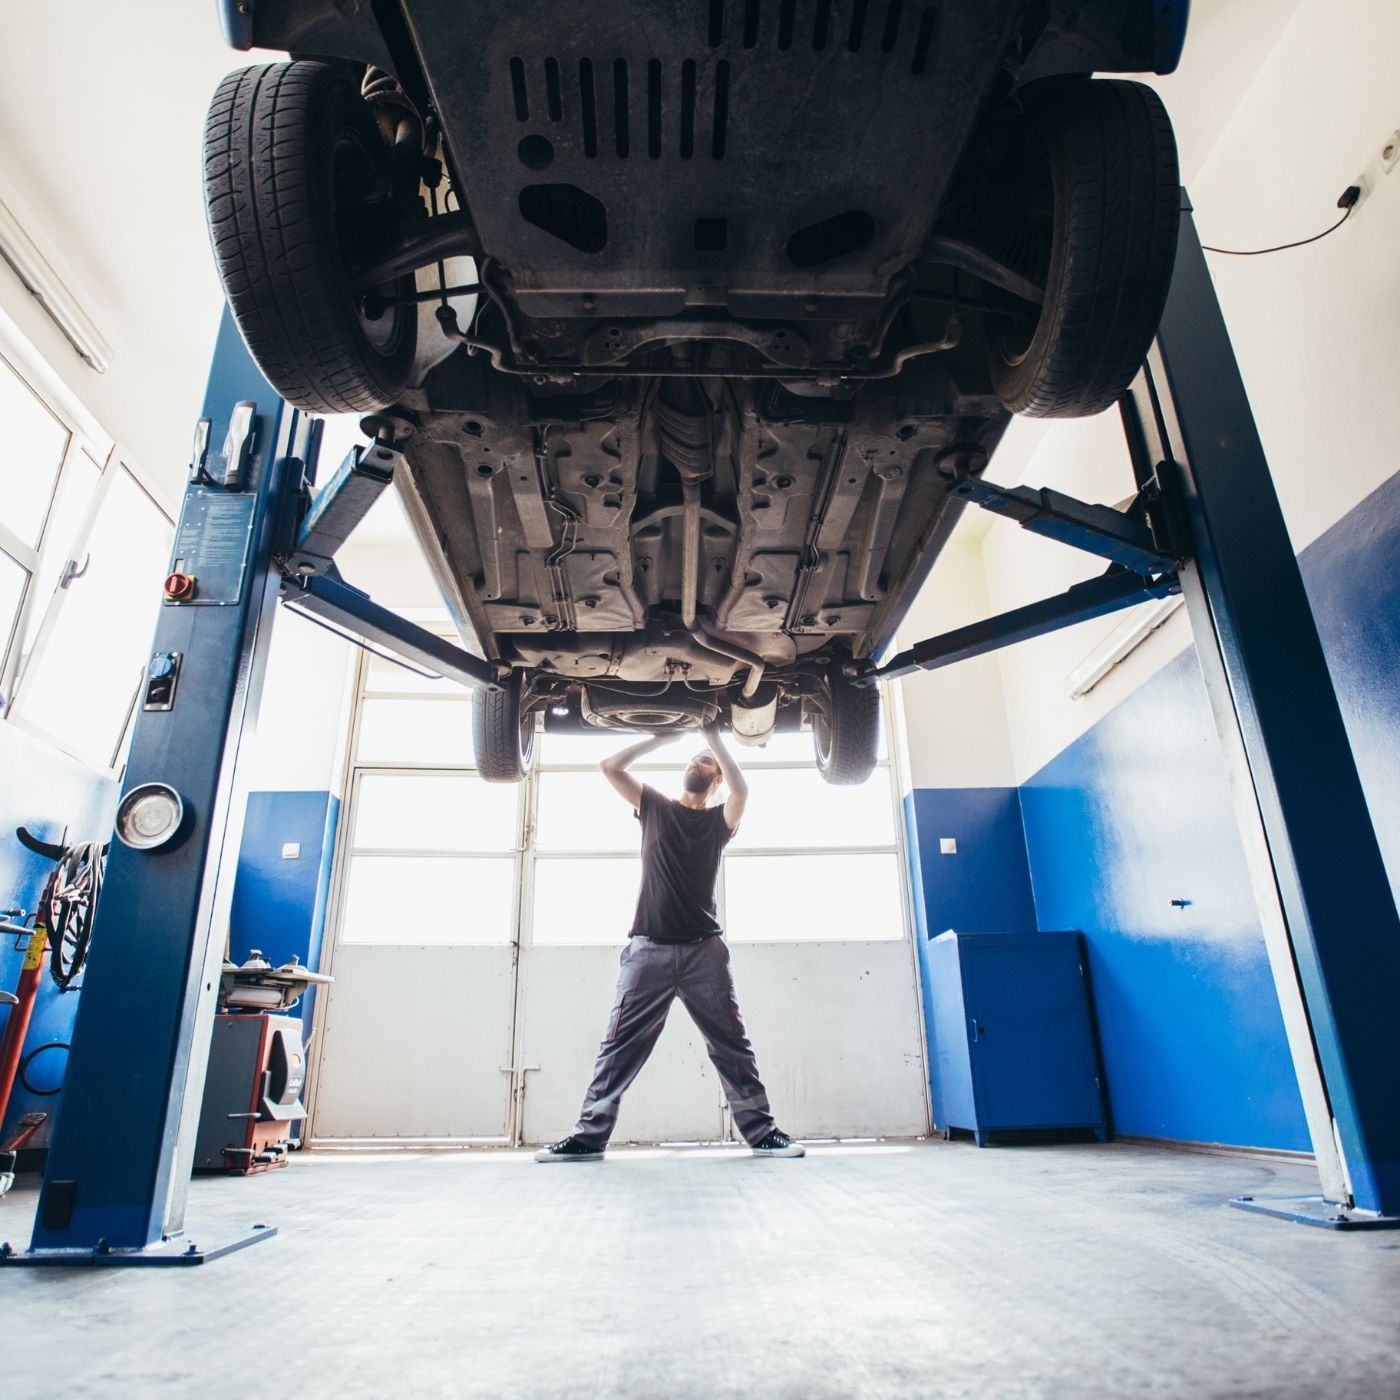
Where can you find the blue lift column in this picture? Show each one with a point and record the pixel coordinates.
(119, 1164)
(1325, 901)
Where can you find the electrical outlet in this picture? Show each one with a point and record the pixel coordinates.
(1386, 158)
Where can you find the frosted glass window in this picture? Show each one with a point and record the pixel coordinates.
(435, 812)
(781, 748)
(585, 901)
(437, 901)
(787, 899)
(798, 807)
(583, 812)
(384, 676)
(34, 444)
(104, 628)
(416, 731)
(593, 748)
(589, 748)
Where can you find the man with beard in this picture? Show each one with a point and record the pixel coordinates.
(676, 949)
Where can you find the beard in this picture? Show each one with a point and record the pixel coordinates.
(695, 781)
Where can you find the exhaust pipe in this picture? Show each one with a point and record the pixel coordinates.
(706, 636)
(690, 553)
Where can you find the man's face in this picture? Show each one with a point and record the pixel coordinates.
(702, 774)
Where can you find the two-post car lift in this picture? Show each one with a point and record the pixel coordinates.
(1205, 522)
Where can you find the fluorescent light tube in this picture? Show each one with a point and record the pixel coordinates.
(45, 285)
(1124, 638)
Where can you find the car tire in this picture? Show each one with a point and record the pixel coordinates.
(1107, 149)
(846, 736)
(287, 145)
(503, 732)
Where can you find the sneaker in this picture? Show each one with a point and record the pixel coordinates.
(778, 1144)
(569, 1150)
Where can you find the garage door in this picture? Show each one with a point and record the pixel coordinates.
(477, 931)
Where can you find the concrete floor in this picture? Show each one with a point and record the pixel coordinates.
(889, 1269)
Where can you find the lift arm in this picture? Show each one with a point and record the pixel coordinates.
(341, 505)
(329, 597)
(1122, 537)
(1094, 598)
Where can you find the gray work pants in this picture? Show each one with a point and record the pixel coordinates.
(652, 976)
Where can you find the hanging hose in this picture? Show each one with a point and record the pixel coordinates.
(23, 1074)
(69, 899)
(63, 928)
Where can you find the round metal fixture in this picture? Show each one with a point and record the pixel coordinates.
(150, 816)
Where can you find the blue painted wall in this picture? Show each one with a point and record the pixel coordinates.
(1132, 815)
(279, 904)
(45, 791)
(1352, 574)
(985, 887)
(1136, 813)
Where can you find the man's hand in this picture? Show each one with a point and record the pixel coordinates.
(738, 788)
(615, 768)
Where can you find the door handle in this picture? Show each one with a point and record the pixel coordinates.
(977, 1030)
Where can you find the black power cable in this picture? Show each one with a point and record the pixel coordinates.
(1346, 201)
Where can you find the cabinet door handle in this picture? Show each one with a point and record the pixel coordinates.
(976, 1030)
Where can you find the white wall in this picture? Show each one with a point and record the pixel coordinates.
(961, 739)
(1303, 96)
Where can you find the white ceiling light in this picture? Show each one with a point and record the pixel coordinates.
(45, 285)
(1124, 638)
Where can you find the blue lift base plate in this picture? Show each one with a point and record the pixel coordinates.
(176, 1251)
(1316, 1210)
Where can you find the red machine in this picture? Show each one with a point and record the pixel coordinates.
(257, 1069)
(252, 1096)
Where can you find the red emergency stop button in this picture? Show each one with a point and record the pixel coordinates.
(179, 587)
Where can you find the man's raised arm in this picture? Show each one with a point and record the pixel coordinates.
(736, 787)
(615, 768)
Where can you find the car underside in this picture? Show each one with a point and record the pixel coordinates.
(688, 316)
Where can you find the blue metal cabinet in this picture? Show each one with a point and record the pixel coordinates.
(1012, 1036)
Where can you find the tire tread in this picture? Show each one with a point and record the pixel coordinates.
(281, 279)
(855, 733)
(1111, 146)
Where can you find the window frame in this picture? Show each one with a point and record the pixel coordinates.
(31, 558)
(86, 438)
(526, 850)
(110, 468)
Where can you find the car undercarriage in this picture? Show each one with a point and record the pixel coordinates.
(687, 318)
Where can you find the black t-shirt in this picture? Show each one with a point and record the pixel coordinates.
(681, 849)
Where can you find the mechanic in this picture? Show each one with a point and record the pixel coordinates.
(676, 949)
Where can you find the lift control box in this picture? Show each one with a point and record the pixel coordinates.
(252, 1094)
